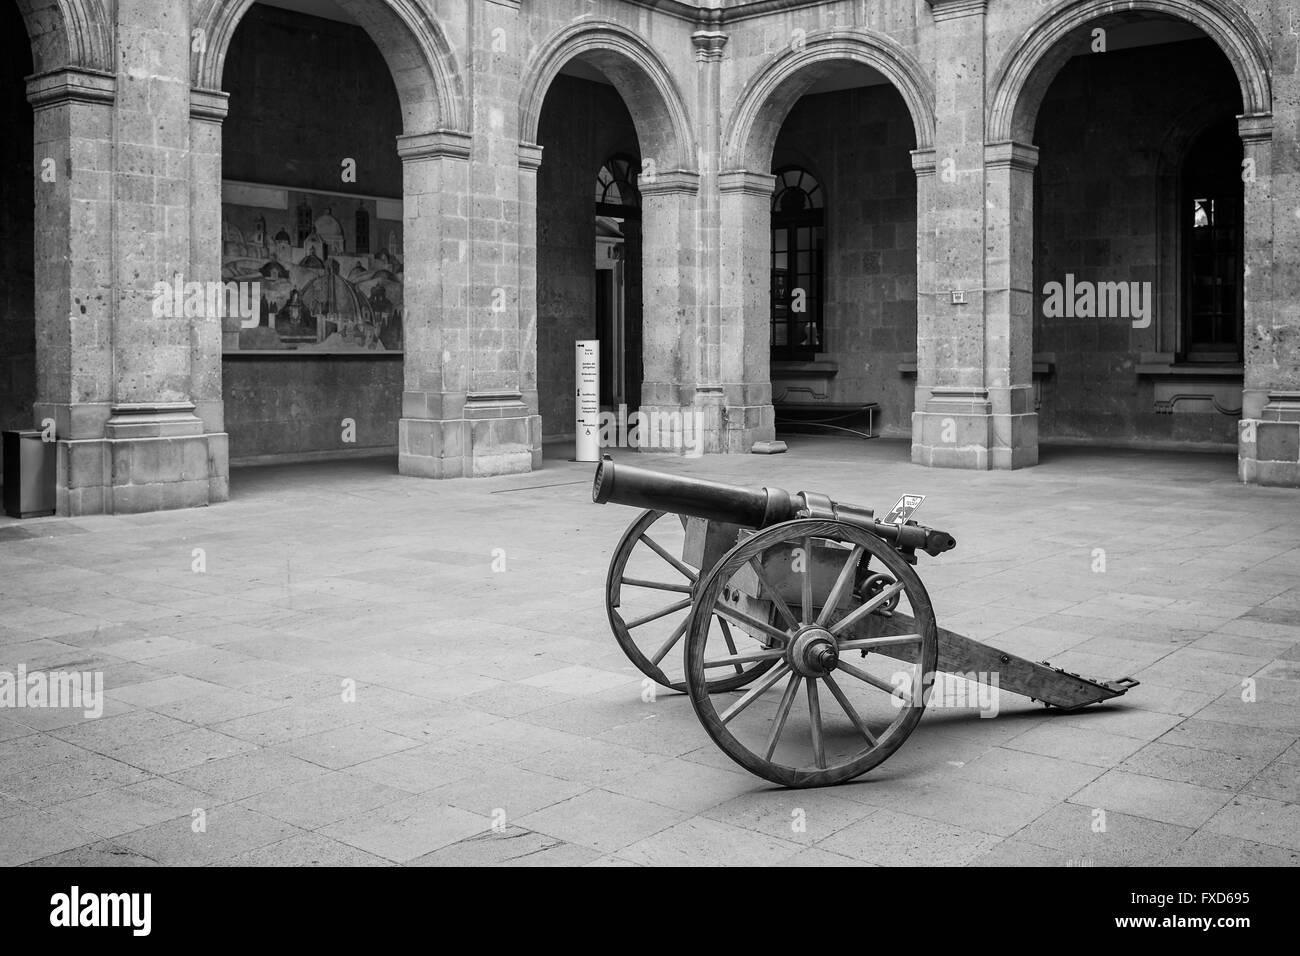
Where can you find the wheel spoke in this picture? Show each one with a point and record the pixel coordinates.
(658, 549)
(872, 643)
(782, 712)
(668, 644)
(773, 594)
(656, 585)
(806, 610)
(739, 659)
(731, 644)
(849, 709)
(875, 681)
(815, 724)
(842, 582)
(664, 612)
(865, 608)
(755, 692)
(740, 617)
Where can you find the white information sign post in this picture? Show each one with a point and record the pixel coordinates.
(587, 400)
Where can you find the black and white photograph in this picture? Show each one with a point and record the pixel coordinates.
(650, 434)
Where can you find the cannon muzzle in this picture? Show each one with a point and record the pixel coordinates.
(748, 507)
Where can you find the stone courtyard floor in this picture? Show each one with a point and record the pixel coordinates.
(487, 696)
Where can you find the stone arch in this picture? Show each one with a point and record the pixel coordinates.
(640, 76)
(68, 33)
(419, 56)
(771, 94)
(1027, 71)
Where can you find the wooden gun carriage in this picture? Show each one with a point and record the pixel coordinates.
(776, 593)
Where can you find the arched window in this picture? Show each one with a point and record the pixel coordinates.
(1211, 217)
(616, 192)
(798, 264)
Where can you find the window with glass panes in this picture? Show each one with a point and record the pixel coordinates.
(798, 255)
(1212, 211)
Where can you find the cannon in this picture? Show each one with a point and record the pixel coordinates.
(772, 596)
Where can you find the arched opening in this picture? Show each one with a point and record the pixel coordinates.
(589, 244)
(1138, 251)
(312, 213)
(18, 178)
(844, 256)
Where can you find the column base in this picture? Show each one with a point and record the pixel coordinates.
(704, 429)
(151, 458)
(482, 434)
(957, 428)
(1268, 447)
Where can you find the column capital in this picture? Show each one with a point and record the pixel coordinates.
(1255, 127)
(670, 182)
(440, 143)
(1021, 156)
(71, 85)
(745, 181)
(530, 156)
(952, 9)
(211, 105)
(709, 44)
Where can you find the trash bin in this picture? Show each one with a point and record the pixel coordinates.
(29, 466)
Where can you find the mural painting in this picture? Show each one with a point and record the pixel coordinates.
(328, 267)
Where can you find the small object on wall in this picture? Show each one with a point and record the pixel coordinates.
(958, 296)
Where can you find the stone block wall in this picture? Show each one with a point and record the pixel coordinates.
(857, 142)
(295, 408)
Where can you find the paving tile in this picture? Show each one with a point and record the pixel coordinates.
(1080, 744)
(1166, 801)
(1259, 820)
(601, 820)
(407, 828)
(320, 800)
(803, 816)
(220, 833)
(704, 842)
(1116, 839)
(510, 846)
(305, 849)
(506, 792)
(33, 834)
(890, 838)
(1030, 773)
(233, 778)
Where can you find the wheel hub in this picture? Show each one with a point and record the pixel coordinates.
(813, 652)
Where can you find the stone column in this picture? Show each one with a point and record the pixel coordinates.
(1269, 432)
(208, 110)
(674, 332)
(745, 247)
(974, 270)
(1009, 303)
(73, 116)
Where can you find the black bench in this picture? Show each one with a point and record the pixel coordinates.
(796, 416)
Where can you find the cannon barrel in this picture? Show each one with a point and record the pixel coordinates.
(748, 507)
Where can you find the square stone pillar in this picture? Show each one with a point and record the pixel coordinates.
(116, 362)
(1268, 448)
(974, 347)
(207, 112)
(674, 323)
(745, 308)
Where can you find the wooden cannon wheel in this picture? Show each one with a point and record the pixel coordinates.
(649, 592)
(865, 694)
